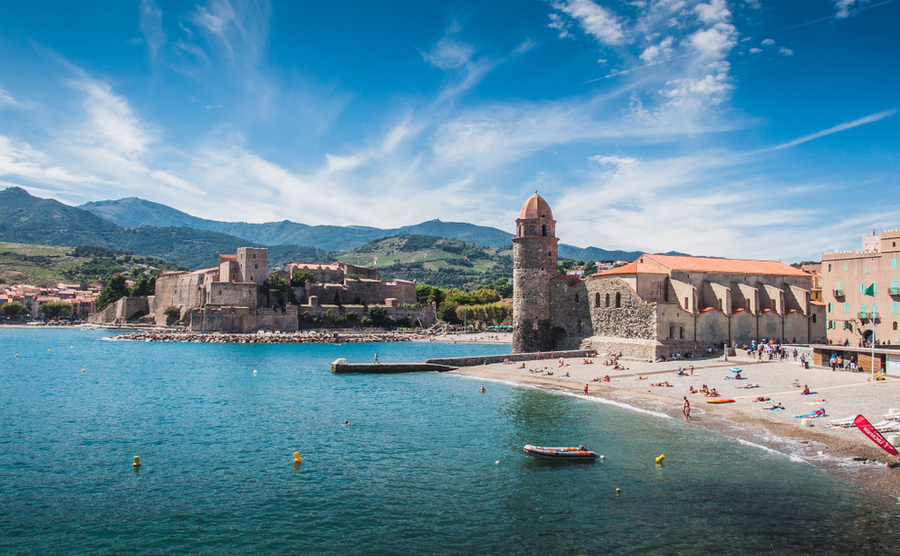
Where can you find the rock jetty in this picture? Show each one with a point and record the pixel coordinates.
(311, 337)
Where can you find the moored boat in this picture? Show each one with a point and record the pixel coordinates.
(562, 452)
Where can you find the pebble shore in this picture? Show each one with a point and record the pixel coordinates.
(310, 337)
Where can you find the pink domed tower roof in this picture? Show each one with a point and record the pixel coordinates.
(535, 207)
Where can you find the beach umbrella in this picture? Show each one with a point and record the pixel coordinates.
(735, 370)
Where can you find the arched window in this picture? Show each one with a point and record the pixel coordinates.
(894, 286)
(596, 300)
(830, 308)
(576, 298)
(846, 306)
(874, 311)
(618, 300)
(862, 311)
(895, 308)
(607, 300)
(895, 325)
(837, 287)
(544, 230)
(894, 263)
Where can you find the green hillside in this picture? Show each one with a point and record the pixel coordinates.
(46, 265)
(433, 260)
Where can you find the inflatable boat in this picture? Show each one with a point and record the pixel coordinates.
(569, 453)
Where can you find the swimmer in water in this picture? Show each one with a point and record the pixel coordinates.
(482, 389)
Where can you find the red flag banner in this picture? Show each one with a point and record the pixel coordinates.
(867, 429)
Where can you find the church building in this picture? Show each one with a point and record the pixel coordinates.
(657, 305)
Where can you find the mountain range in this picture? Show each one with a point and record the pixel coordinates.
(132, 212)
(152, 229)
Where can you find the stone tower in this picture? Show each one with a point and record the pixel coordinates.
(534, 264)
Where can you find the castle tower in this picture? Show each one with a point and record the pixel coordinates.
(534, 264)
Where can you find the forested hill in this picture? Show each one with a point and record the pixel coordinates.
(28, 219)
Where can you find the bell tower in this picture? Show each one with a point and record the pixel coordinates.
(534, 264)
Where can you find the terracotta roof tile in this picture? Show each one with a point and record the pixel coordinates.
(632, 268)
(726, 266)
(535, 207)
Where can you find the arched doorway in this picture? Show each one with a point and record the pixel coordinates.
(558, 337)
(867, 335)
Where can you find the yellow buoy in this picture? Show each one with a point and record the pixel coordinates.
(70, 347)
(618, 490)
(660, 458)
(48, 350)
(17, 355)
(297, 458)
(82, 370)
(254, 371)
(137, 461)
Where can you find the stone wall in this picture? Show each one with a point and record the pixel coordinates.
(474, 361)
(373, 292)
(534, 264)
(243, 319)
(122, 310)
(424, 316)
(237, 294)
(570, 314)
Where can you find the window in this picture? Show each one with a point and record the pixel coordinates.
(829, 268)
(681, 332)
(814, 318)
(894, 284)
(687, 304)
(837, 286)
(862, 288)
(867, 270)
(862, 311)
(254, 255)
(607, 300)
(830, 308)
(576, 298)
(618, 300)
(256, 266)
(846, 267)
(895, 325)
(874, 311)
(671, 331)
(544, 230)
(846, 306)
(894, 263)
(596, 300)
(774, 305)
(895, 308)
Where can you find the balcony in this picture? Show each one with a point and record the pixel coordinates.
(838, 293)
(893, 291)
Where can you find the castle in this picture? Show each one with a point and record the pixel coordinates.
(656, 306)
(230, 297)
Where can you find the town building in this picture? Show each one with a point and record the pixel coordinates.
(655, 306)
(861, 291)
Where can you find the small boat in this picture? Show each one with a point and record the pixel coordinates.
(568, 453)
(722, 400)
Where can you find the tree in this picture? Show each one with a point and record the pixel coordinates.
(352, 317)
(336, 299)
(55, 310)
(172, 313)
(114, 290)
(484, 296)
(144, 286)
(378, 315)
(14, 309)
(446, 312)
(300, 277)
(276, 287)
(503, 287)
(590, 267)
(463, 299)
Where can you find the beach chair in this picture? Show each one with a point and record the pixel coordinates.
(893, 415)
(843, 423)
(887, 426)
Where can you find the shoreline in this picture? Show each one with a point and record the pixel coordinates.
(830, 450)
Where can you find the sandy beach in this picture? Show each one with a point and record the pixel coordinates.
(841, 394)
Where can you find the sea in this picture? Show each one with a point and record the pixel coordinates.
(427, 464)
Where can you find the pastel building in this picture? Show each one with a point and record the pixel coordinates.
(861, 290)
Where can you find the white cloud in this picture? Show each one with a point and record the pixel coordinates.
(755, 50)
(712, 87)
(768, 42)
(785, 51)
(111, 122)
(6, 98)
(449, 53)
(599, 22)
(24, 161)
(556, 22)
(848, 8)
(151, 26)
(714, 12)
(660, 52)
(715, 42)
(840, 127)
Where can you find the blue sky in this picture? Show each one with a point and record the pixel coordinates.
(741, 128)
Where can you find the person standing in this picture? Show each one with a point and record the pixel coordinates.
(376, 357)
(585, 388)
(687, 409)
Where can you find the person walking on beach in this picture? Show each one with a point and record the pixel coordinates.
(376, 357)
(585, 388)
(687, 409)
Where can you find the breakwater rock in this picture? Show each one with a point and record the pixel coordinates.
(292, 338)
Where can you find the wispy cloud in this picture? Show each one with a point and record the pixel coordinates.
(152, 27)
(6, 99)
(597, 21)
(838, 128)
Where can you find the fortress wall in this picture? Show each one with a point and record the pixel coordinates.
(239, 294)
(570, 314)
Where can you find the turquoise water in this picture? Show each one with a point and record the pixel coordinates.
(414, 473)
